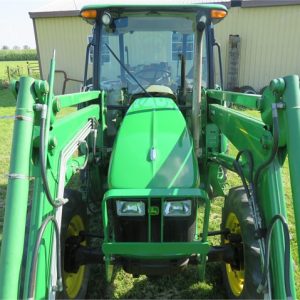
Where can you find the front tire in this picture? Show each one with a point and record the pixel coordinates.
(242, 277)
(74, 220)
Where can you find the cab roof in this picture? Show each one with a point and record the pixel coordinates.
(183, 5)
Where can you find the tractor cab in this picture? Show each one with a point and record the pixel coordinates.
(146, 52)
(151, 51)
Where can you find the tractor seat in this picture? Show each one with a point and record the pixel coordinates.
(156, 91)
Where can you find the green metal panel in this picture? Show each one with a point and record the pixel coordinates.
(272, 95)
(154, 193)
(243, 131)
(212, 137)
(74, 99)
(155, 250)
(17, 192)
(153, 148)
(250, 101)
(66, 128)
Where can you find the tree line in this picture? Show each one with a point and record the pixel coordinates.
(25, 47)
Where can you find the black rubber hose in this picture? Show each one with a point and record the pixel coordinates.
(287, 250)
(33, 267)
(250, 161)
(43, 163)
(240, 172)
(274, 148)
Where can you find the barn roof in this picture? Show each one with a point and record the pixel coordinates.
(68, 8)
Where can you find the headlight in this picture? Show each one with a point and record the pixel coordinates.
(181, 208)
(129, 208)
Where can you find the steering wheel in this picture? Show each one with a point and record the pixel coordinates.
(153, 75)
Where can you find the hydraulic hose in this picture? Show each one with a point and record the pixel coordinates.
(240, 172)
(42, 159)
(42, 156)
(33, 267)
(274, 148)
(251, 198)
(287, 280)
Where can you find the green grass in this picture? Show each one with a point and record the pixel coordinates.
(7, 103)
(183, 285)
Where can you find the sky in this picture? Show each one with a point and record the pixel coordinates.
(16, 27)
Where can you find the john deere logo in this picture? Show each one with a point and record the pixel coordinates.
(153, 210)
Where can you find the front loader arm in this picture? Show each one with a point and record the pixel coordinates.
(67, 135)
(280, 102)
(17, 192)
(63, 138)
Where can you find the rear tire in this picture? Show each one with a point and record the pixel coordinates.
(74, 220)
(248, 90)
(241, 281)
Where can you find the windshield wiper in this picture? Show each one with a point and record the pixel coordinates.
(128, 72)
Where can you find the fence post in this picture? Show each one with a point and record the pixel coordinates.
(8, 72)
(28, 69)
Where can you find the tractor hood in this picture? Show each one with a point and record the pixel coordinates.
(153, 148)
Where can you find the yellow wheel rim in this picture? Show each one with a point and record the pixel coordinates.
(235, 277)
(74, 281)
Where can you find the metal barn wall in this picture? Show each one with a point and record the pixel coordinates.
(68, 36)
(270, 42)
(270, 39)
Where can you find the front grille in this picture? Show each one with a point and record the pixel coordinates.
(152, 228)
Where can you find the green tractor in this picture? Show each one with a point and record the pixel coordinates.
(150, 140)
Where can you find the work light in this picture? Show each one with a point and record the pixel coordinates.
(130, 208)
(106, 18)
(181, 208)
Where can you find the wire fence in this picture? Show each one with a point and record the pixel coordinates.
(11, 71)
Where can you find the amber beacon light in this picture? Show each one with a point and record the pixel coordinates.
(218, 14)
(89, 14)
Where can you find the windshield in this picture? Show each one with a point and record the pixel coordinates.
(138, 53)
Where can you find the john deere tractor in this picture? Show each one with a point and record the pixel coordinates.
(149, 141)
